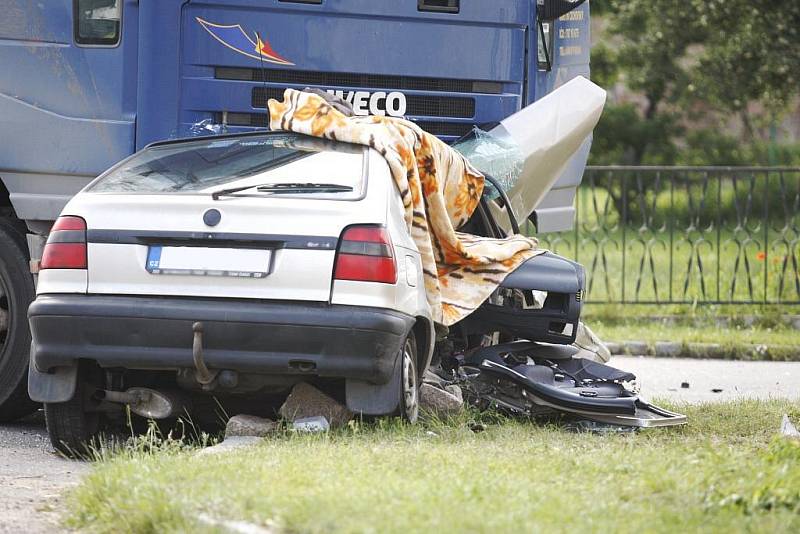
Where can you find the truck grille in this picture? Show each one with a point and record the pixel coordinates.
(345, 79)
(260, 120)
(426, 106)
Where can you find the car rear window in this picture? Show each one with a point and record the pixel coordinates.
(203, 165)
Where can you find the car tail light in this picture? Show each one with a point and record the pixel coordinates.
(66, 245)
(365, 255)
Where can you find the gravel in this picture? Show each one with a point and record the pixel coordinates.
(32, 478)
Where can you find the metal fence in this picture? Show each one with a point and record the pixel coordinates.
(657, 235)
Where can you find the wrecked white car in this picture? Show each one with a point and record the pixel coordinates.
(238, 266)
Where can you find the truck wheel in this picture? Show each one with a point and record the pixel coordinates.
(73, 425)
(16, 293)
(409, 385)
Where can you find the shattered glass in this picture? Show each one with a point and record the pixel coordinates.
(206, 127)
(499, 157)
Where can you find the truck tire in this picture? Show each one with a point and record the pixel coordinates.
(16, 293)
(73, 426)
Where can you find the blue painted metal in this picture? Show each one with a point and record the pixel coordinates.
(68, 112)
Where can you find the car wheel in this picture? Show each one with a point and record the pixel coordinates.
(409, 385)
(16, 294)
(73, 426)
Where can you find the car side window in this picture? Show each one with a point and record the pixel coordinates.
(97, 22)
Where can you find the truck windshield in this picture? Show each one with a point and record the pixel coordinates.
(200, 166)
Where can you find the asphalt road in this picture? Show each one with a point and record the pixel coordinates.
(712, 380)
(33, 478)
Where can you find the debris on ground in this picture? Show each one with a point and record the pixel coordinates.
(476, 427)
(593, 427)
(685, 385)
(439, 401)
(788, 429)
(716, 390)
(455, 391)
(530, 380)
(307, 401)
(432, 378)
(231, 444)
(249, 425)
(311, 424)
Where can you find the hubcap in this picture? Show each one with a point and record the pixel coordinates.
(410, 388)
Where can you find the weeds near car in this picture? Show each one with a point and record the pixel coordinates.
(726, 470)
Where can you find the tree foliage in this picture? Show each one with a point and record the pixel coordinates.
(696, 63)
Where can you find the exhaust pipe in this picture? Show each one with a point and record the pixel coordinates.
(147, 402)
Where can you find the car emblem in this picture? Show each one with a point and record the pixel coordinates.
(212, 217)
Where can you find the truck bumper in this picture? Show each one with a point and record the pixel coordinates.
(269, 338)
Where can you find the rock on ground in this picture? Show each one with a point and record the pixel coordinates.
(788, 429)
(307, 401)
(439, 401)
(456, 392)
(249, 425)
(232, 443)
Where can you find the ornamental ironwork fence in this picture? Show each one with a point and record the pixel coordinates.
(659, 235)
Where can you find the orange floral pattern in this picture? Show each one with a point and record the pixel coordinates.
(439, 190)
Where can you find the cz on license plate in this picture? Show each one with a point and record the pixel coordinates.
(209, 261)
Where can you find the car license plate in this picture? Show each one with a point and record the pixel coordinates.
(208, 261)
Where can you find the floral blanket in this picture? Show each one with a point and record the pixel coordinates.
(439, 189)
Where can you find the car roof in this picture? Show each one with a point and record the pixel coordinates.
(256, 133)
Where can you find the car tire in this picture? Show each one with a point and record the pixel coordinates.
(16, 293)
(409, 381)
(71, 425)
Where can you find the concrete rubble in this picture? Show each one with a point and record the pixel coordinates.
(788, 429)
(307, 401)
(231, 443)
(311, 424)
(440, 402)
(249, 425)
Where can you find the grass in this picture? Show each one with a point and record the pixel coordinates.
(652, 331)
(725, 471)
(739, 330)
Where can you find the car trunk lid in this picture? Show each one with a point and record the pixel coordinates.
(256, 243)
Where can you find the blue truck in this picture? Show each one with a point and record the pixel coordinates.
(85, 83)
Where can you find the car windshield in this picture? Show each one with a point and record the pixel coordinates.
(206, 165)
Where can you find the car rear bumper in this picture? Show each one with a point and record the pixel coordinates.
(260, 337)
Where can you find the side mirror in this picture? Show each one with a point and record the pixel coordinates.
(552, 9)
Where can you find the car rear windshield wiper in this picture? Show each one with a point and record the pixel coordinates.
(285, 188)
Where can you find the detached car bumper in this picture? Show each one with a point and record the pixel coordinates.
(262, 337)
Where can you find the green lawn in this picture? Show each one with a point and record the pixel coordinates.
(652, 331)
(726, 471)
(736, 328)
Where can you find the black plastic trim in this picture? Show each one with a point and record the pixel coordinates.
(249, 336)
